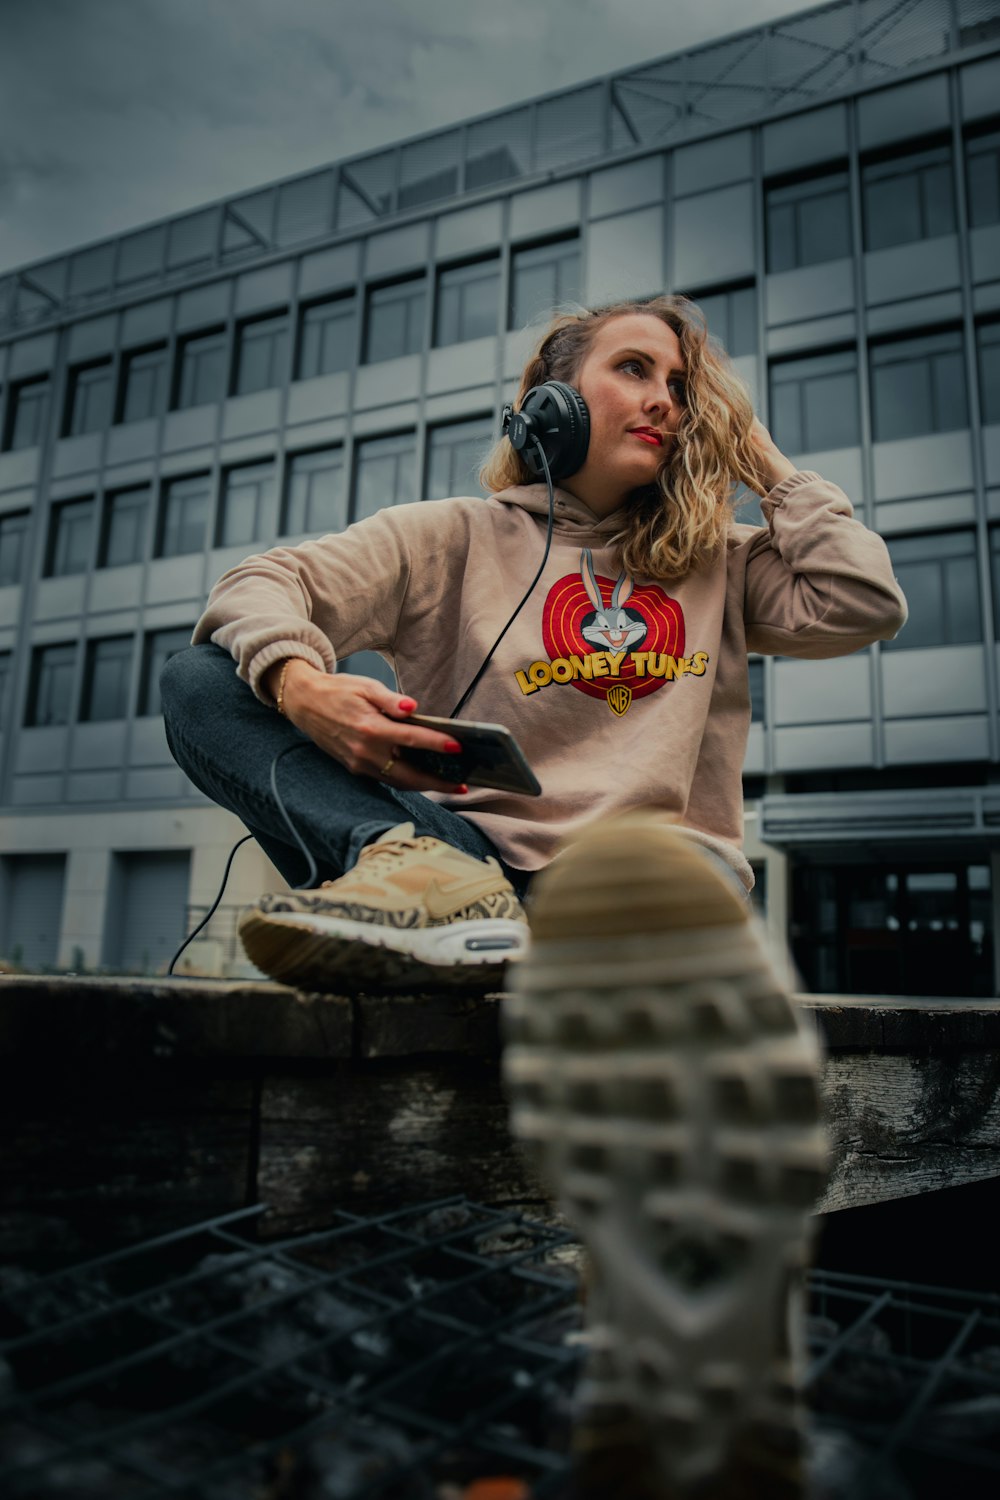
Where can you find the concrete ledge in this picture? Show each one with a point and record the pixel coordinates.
(201, 1018)
(132, 1106)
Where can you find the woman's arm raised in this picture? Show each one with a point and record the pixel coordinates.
(818, 582)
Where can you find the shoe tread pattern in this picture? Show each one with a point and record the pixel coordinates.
(669, 1092)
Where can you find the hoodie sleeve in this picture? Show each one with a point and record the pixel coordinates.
(818, 583)
(318, 600)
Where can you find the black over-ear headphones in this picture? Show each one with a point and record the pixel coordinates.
(556, 416)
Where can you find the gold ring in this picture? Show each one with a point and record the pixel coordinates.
(388, 766)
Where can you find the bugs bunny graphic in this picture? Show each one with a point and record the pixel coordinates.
(613, 627)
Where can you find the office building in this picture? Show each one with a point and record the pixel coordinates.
(277, 364)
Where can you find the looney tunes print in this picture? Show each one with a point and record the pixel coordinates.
(610, 638)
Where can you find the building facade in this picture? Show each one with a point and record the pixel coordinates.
(277, 365)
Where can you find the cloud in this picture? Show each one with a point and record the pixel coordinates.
(125, 111)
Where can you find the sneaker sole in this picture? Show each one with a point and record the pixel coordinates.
(333, 953)
(669, 1091)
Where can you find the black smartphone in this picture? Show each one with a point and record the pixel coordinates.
(490, 756)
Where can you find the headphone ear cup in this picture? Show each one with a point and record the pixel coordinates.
(557, 416)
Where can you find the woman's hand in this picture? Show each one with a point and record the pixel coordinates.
(772, 465)
(359, 722)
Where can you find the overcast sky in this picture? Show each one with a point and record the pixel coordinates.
(117, 112)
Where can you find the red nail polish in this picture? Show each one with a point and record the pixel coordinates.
(453, 746)
(461, 789)
(407, 705)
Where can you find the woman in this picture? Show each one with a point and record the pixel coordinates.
(654, 1061)
(623, 677)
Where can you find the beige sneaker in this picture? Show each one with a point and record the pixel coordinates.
(412, 912)
(669, 1089)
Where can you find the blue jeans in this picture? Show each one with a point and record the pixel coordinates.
(225, 740)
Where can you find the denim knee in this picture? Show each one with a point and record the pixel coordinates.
(189, 676)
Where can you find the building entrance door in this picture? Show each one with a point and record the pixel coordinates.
(893, 929)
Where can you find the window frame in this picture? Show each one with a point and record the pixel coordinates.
(937, 554)
(77, 380)
(37, 663)
(124, 658)
(147, 686)
(57, 512)
(879, 358)
(741, 289)
(168, 487)
(16, 388)
(350, 301)
(485, 420)
(21, 533)
(111, 498)
(831, 179)
(918, 160)
(217, 333)
(265, 496)
(257, 330)
(161, 382)
(529, 248)
(810, 366)
(979, 143)
(365, 446)
(456, 276)
(297, 464)
(377, 296)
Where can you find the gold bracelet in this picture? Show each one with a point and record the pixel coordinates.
(280, 698)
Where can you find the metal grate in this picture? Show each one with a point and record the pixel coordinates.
(407, 1354)
(384, 1356)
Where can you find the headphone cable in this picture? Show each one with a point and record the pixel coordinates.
(541, 568)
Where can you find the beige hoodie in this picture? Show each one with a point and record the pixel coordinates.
(644, 703)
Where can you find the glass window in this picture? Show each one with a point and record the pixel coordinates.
(918, 386)
(908, 198)
(995, 575)
(261, 354)
(158, 647)
(326, 337)
(70, 529)
(247, 510)
(106, 678)
(143, 383)
(988, 348)
(467, 301)
(755, 673)
(184, 515)
(13, 557)
(732, 317)
(541, 276)
(50, 690)
(5, 679)
(814, 403)
(384, 473)
(808, 222)
(939, 575)
(123, 535)
(315, 493)
(88, 399)
(982, 155)
(26, 413)
(201, 368)
(394, 324)
(455, 454)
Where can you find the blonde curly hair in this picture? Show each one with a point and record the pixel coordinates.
(682, 518)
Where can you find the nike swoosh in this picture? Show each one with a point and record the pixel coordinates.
(445, 901)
